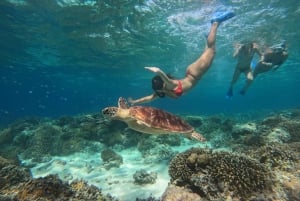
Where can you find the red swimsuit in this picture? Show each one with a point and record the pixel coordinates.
(178, 90)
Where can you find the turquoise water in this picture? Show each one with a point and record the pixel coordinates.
(70, 57)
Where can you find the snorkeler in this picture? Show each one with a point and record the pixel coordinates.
(272, 58)
(244, 54)
(163, 85)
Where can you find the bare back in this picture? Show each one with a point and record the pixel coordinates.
(244, 58)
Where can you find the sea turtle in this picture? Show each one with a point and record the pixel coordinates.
(150, 120)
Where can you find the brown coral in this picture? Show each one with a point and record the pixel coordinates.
(16, 184)
(293, 127)
(275, 156)
(210, 174)
(111, 159)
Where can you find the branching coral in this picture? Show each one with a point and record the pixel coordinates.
(209, 174)
(143, 177)
(111, 159)
(279, 156)
(293, 127)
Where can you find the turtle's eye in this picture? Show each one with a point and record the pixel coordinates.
(105, 111)
(109, 112)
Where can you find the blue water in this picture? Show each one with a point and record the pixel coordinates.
(68, 57)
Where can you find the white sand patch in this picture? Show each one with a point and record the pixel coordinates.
(117, 182)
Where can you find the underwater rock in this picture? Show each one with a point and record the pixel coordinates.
(273, 121)
(111, 159)
(154, 151)
(212, 124)
(244, 129)
(151, 198)
(6, 136)
(216, 174)
(249, 134)
(277, 135)
(220, 139)
(293, 128)
(194, 121)
(143, 177)
(113, 132)
(176, 193)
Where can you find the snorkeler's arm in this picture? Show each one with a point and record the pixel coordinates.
(256, 49)
(145, 99)
(169, 82)
(267, 63)
(237, 49)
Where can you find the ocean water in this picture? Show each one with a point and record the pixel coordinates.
(68, 57)
(75, 57)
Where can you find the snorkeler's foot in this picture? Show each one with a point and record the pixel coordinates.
(222, 16)
(229, 93)
(242, 92)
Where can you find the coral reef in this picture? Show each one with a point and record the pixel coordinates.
(276, 156)
(143, 177)
(175, 193)
(111, 159)
(17, 184)
(153, 150)
(215, 174)
(11, 175)
(147, 199)
(217, 128)
(293, 128)
(287, 122)
(265, 156)
(277, 135)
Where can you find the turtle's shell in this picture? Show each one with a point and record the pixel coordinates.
(159, 119)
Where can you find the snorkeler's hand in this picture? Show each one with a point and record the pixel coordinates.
(255, 46)
(268, 64)
(153, 69)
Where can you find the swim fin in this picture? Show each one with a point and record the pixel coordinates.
(222, 16)
(229, 94)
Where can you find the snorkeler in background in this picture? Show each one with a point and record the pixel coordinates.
(163, 85)
(272, 59)
(244, 53)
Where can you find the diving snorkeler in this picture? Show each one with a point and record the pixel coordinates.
(244, 53)
(163, 85)
(272, 58)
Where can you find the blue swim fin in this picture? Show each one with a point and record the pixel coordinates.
(222, 16)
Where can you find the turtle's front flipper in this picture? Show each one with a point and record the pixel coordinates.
(197, 136)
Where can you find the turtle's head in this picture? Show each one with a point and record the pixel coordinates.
(109, 112)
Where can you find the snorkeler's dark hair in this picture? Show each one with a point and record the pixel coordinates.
(157, 83)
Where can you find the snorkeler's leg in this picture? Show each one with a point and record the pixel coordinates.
(248, 83)
(202, 64)
(211, 38)
(235, 77)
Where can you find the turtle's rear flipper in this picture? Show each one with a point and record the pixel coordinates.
(197, 136)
